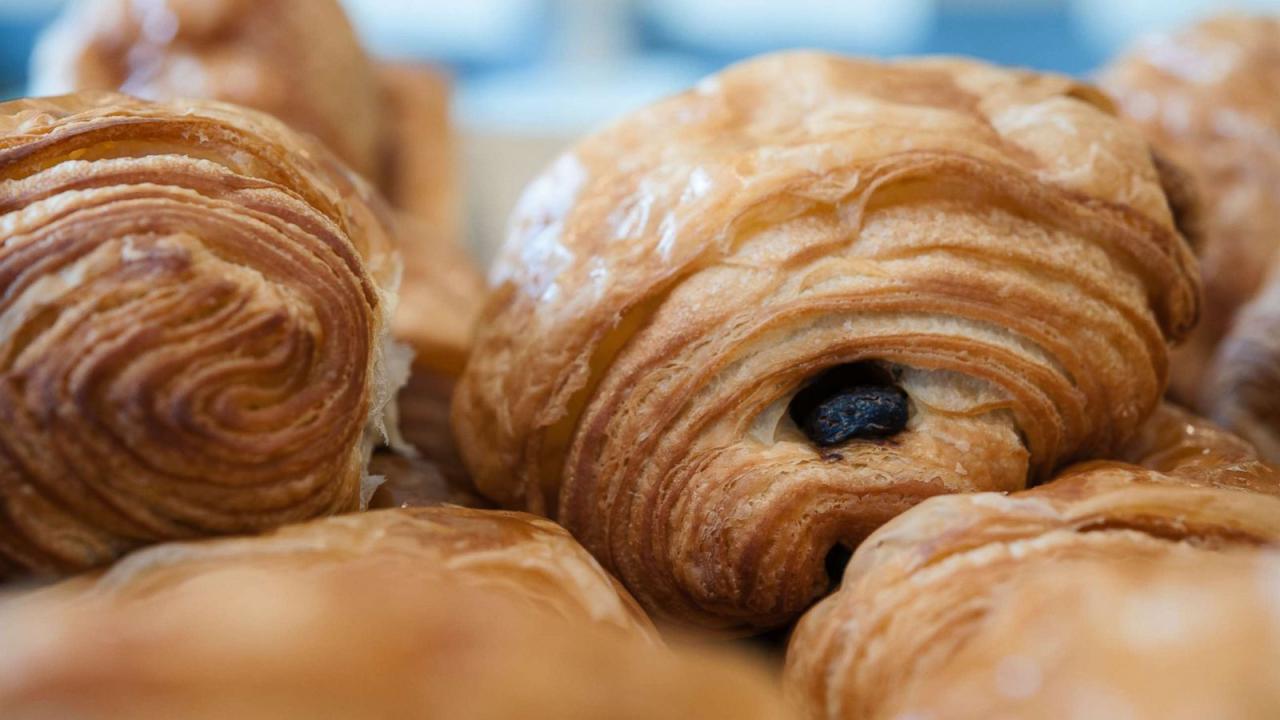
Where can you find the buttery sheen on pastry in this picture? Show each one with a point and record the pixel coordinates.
(194, 328)
(1177, 638)
(759, 319)
(430, 613)
(922, 591)
(1206, 95)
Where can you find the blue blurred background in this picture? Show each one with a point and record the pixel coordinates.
(556, 65)
(532, 74)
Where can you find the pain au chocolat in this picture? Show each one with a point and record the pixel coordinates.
(929, 602)
(1206, 95)
(751, 323)
(423, 613)
(194, 327)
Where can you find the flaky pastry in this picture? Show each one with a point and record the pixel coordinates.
(922, 589)
(757, 320)
(432, 613)
(194, 330)
(1206, 95)
(302, 61)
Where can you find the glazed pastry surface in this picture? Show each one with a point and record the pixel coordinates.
(299, 60)
(1173, 639)
(440, 613)
(1206, 96)
(992, 243)
(920, 592)
(195, 328)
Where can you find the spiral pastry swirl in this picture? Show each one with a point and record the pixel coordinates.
(986, 255)
(926, 586)
(193, 327)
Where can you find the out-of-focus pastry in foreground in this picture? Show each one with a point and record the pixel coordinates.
(1176, 638)
(942, 598)
(1207, 97)
(415, 550)
(751, 323)
(195, 329)
(302, 61)
(435, 613)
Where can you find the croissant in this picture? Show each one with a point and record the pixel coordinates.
(301, 61)
(751, 323)
(1144, 640)
(936, 583)
(428, 613)
(1206, 96)
(194, 328)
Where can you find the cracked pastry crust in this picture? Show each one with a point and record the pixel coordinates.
(1206, 96)
(939, 584)
(439, 612)
(195, 328)
(994, 240)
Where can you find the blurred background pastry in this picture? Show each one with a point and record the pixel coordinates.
(1207, 96)
(195, 328)
(299, 61)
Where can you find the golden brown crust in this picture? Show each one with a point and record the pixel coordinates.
(444, 613)
(1146, 640)
(995, 237)
(531, 559)
(194, 330)
(299, 60)
(1205, 95)
(921, 588)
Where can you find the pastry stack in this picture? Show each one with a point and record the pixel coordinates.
(873, 355)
